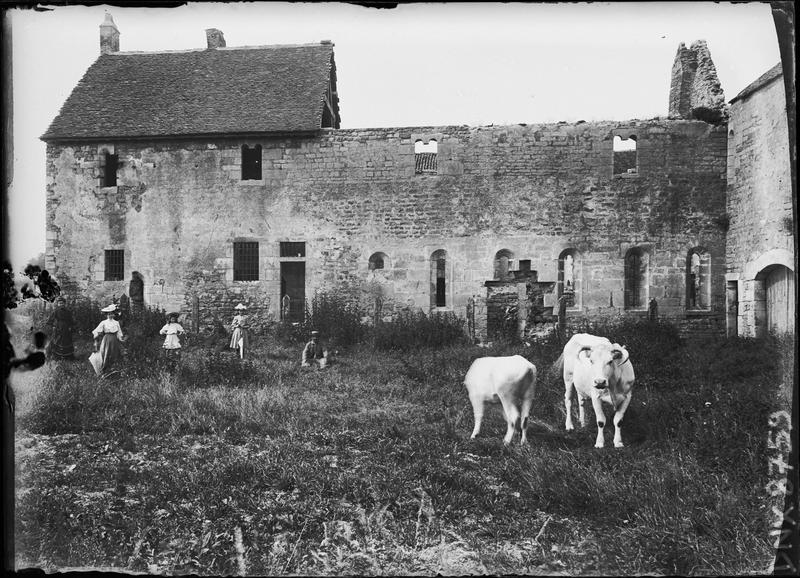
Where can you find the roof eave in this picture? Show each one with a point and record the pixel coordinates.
(165, 137)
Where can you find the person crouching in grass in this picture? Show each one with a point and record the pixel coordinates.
(172, 345)
(314, 352)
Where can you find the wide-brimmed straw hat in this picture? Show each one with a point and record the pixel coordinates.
(110, 309)
(315, 333)
(173, 314)
(240, 306)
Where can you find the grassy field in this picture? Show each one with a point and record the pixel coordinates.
(261, 467)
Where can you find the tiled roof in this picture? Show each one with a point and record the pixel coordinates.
(425, 162)
(770, 75)
(268, 89)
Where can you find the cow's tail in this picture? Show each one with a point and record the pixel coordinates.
(557, 368)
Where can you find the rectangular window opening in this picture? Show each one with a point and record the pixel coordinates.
(111, 163)
(425, 157)
(625, 156)
(293, 249)
(251, 163)
(245, 261)
(115, 265)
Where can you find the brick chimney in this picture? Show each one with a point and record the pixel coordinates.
(109, 36)
(215, 38)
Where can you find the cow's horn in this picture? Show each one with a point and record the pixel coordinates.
(584, 348)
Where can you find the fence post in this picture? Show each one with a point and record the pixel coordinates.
(196, 314)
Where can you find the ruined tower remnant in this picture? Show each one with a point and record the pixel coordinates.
(695, 91)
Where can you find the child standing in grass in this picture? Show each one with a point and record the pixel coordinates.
(172, 345)
(239, 330)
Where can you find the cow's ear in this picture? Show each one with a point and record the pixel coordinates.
(621, 354)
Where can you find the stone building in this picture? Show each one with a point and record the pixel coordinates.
(221, 175)
(760, 242)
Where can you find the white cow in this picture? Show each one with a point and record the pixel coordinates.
(512, 381)
(601, 371)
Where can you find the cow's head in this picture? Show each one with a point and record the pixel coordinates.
(603, 362)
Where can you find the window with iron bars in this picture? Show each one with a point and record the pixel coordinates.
(115, 265)
(245, 261)
(293, 249)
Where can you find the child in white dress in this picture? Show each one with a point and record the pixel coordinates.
(172, 345)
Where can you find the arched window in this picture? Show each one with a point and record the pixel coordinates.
(439, 278)
(566, 274)
(698, 279)
(635, 279)
(378, 261)
(503, 264)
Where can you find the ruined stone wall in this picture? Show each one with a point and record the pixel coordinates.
(534, 190)
(759, 199)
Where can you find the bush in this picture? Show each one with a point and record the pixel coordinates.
(415, 330)
(335, 314)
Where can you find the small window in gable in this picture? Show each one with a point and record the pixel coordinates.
(110, 166)
(245, 261)
(115, 265)
(698, 280)
(377, 261)
(625, 159)
(251, 163)
(425, 157)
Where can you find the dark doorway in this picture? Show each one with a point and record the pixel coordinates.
(293, 285)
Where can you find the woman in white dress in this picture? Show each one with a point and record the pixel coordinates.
(107, 337)
(239, 330)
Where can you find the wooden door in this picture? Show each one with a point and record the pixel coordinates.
(780, 300)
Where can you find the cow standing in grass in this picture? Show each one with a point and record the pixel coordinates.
(602, 371)
(509, 380)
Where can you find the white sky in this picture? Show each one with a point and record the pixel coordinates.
(415, 65)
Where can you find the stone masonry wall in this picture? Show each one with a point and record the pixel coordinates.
(759, 198)
(534, 190)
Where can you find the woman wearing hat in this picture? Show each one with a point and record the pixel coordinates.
(172, 345)
(238, 327)
(107, 337)
(61, 346)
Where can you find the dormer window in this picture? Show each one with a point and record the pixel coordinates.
(251, 163)
(425, 157)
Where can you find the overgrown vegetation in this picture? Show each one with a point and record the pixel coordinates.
(261, 467)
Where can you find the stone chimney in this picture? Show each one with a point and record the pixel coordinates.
(109, 36)
(215, 38)
(695, 91)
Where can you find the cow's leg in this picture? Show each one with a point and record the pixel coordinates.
(582, 409)
(618, 416)
(601, 421)
(568, 404)
(477, 412)
(527, 402)
(513, 418)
